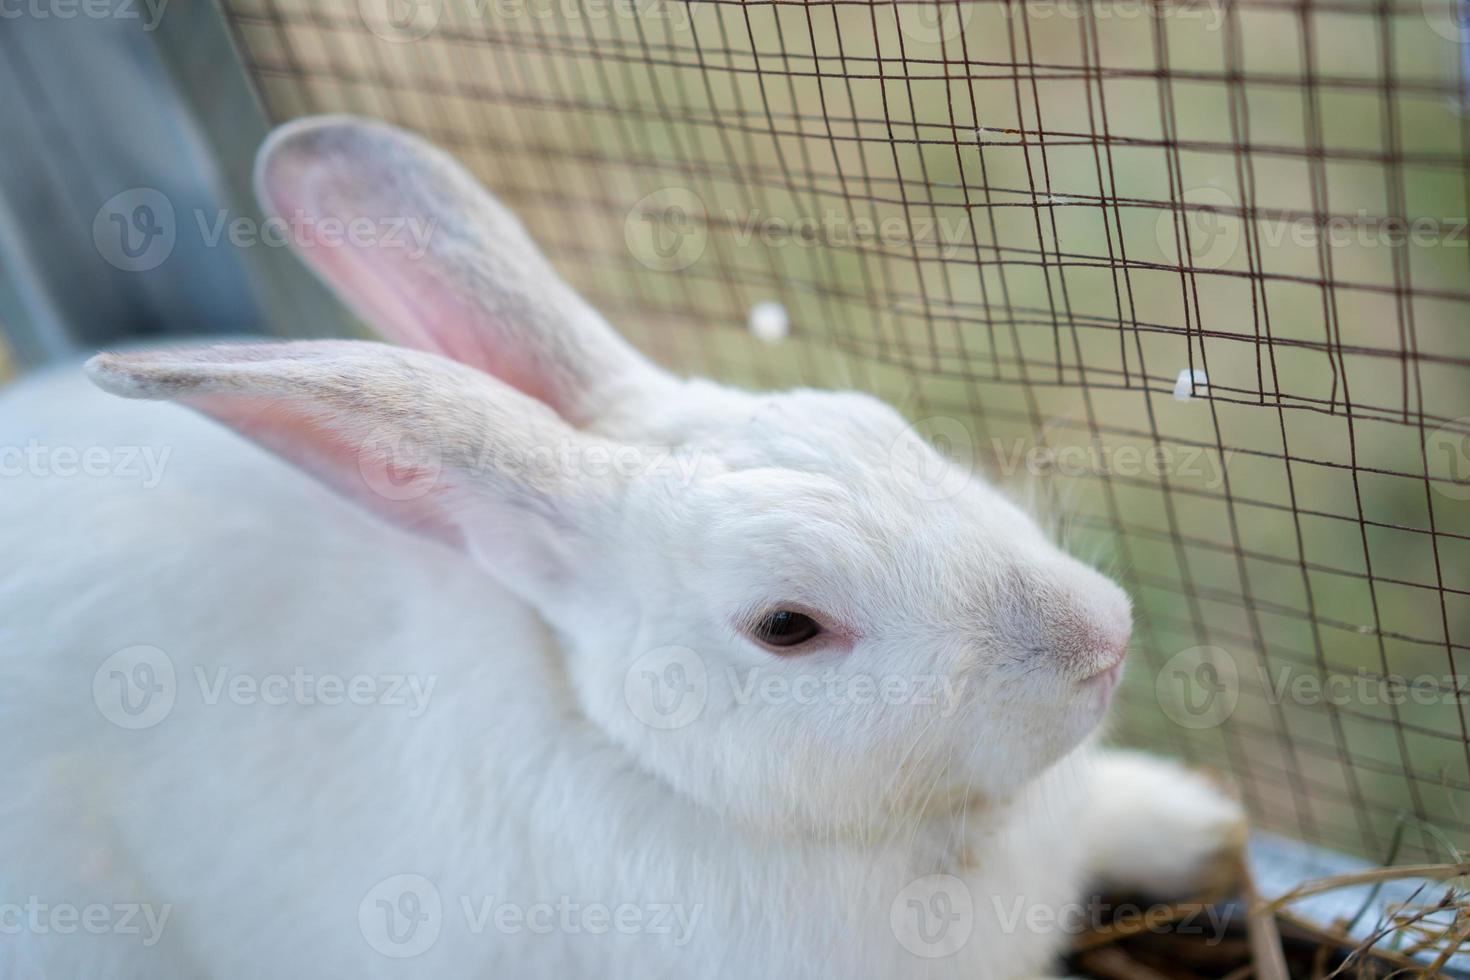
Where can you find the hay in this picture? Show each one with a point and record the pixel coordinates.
(1267, 940)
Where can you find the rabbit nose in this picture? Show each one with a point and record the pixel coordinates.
(1113, 627)
(1108, 638)
(1107, 626)
(1067, 611)
(1090, 623)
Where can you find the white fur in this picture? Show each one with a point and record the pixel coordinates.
(774, 835)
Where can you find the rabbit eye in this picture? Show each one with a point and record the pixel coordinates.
(786, 628)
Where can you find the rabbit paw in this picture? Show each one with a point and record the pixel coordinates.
(1161, 829)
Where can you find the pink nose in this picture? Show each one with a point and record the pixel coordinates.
(1076, 614)
(1110, 639)
(1094, 634)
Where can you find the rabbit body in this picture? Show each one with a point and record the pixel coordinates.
(527, 710)
(258, 831)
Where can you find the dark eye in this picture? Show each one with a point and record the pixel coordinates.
(785, 628)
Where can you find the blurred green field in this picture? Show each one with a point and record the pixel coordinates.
(1030, 218)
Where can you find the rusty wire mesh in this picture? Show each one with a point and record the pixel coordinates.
(1032, 219)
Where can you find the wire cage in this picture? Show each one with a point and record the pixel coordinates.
(1195, 270)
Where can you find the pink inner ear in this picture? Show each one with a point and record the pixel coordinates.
(409, 302)
(410, 493)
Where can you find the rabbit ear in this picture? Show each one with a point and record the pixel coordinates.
(408, 238)
(418, 439)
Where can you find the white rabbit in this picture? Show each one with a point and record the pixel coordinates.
(546, 705)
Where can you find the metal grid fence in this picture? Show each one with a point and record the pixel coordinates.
(1195, 270)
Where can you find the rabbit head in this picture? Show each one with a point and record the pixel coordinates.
(789, 607)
